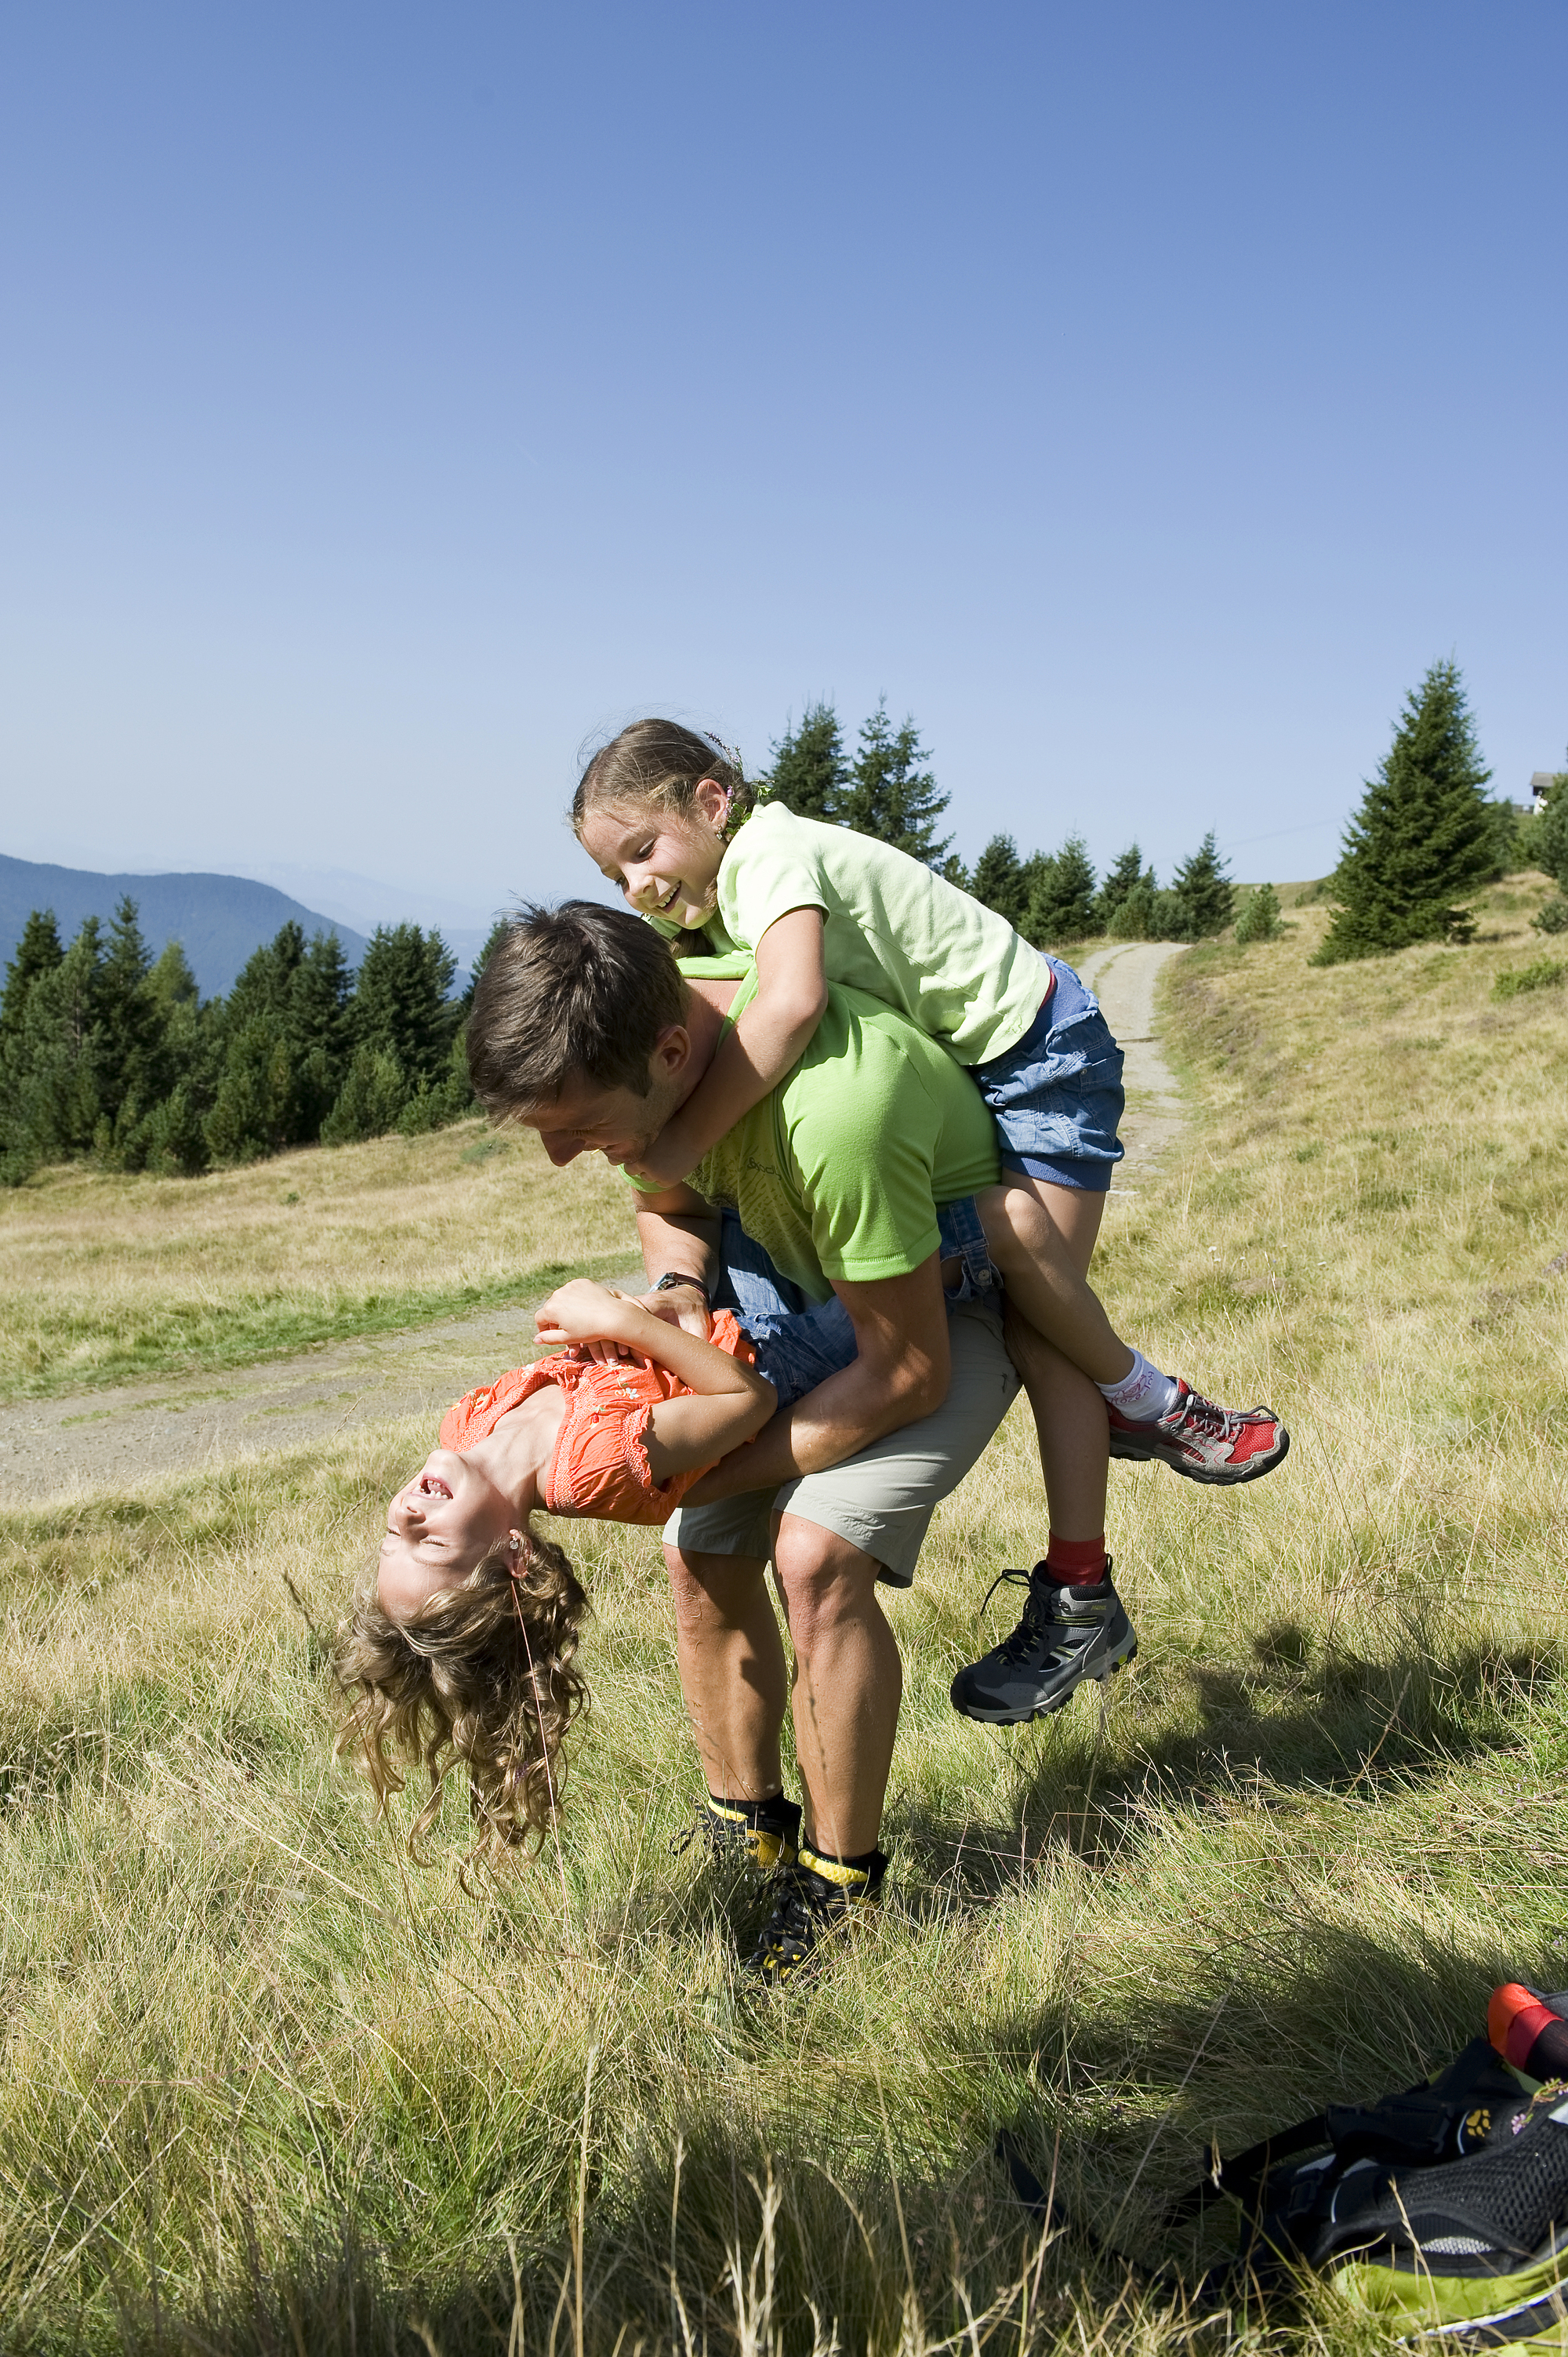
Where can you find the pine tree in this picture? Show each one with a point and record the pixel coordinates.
(1125, 874)
(399, 1005)
(810, 773)
(317, 1026)
(1259, 919)
(1423, 837)
(890, 796)
(1203, 897)
(134, 1068)
(1546, 836)
(53, 1102)
(38, 951)
(171, 980)
(1061, 903)
(1001, 880)
(375, 1092)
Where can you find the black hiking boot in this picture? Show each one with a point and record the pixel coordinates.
(815, 1900)
(1067, 1634)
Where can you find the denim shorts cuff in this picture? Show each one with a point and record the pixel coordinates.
(1061, 1170)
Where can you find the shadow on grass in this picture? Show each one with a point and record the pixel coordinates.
(713, 2240)
(1283, 1726)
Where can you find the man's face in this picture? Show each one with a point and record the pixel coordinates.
(617, 1122)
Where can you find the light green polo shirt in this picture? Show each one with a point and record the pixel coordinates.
(891, 927)
(838, 1172)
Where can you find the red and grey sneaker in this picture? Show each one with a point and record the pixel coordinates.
(1202, 1440)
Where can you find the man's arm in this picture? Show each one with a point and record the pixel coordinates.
(677, 1230)
(901, 1375)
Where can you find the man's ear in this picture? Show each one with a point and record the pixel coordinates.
(671, 1053)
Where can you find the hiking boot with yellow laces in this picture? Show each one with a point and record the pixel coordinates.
(815, 1901)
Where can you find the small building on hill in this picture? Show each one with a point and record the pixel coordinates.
(1540, 787)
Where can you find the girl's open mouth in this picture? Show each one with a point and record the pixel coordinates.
(431, 1485)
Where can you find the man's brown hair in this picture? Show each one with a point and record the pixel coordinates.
(575, 992)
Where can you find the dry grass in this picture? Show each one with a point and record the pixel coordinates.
(104, 1279)
(264, 2090)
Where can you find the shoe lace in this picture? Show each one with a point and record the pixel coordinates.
(1015, 1647)
(1208, 1416)
(793, 1915)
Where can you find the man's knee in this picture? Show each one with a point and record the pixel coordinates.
(712, 1591)
(824, 1580)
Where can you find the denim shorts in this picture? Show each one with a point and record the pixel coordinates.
(799, 1343)
(1058, 1094)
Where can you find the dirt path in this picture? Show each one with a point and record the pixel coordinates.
(49, 1449)
(1122, 978)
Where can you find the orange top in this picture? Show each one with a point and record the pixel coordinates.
(600, 1461)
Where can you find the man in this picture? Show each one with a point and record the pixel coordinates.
(855, 1176)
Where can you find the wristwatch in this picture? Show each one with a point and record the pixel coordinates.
(674, 1276)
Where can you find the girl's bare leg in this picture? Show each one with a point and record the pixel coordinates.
(1060, 1225)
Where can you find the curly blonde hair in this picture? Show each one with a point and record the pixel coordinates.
(481, 1676)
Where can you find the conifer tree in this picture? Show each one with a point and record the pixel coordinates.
(1259, 919)
(38, 951)
(1547, 836)
(1202, 895)
(890, 796)
(53, 1104)
(1061, 900)
(399, 1005)
(810, 773)
(135, 1069)
(1424, 836)
(1125, 874)
(1001, 880)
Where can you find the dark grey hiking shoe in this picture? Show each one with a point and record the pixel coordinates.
(1067, 1634)
(815, 1900)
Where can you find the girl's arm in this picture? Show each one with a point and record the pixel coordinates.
(768, 1040)
(730, 1401)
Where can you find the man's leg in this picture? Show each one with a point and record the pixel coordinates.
(847, 1686)
(731, 1670)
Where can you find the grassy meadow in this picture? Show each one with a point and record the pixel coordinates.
(268, 2088)
(104, 1278)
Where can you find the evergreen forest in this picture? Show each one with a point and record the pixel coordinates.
(110, 1054)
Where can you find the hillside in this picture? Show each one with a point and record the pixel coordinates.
(219, 919)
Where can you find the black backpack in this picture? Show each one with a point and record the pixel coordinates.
(1442, 2209)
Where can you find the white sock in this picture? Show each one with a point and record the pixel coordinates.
(1143, 1394)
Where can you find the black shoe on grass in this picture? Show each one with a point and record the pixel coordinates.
(814, 1902)
(1067, 1634)
(760, 1833)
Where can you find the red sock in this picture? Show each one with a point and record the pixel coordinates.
(1075, 1563)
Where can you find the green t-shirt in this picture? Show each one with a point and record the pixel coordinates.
(838, 1172)
(892, 927)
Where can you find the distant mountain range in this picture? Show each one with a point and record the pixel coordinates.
(219, 919)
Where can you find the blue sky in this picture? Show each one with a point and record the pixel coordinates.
(392, 398)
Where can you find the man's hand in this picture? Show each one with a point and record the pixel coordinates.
(683, 1306)
(900, 1375)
